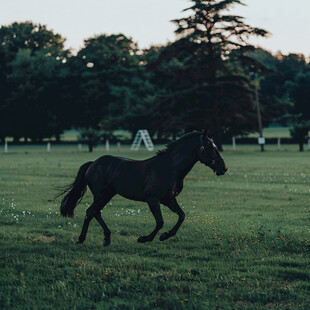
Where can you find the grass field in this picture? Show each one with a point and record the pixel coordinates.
(244, 243)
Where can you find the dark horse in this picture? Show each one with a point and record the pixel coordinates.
(157, 180)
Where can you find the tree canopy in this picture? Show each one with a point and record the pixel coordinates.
(205, 78)
(209, 86)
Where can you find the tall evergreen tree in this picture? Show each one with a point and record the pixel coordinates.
(217, 92)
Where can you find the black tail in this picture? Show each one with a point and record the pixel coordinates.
(74, 192)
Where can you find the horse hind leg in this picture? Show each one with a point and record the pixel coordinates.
(94, 211)
(106, 230)
(90, 213)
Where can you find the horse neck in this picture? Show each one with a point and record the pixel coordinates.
(184, 158)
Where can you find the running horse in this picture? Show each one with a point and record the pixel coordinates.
(156, 180)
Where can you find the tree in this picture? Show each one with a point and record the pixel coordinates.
(217, 93)
(113, 84)
(300, 132)
(31, 70)
(90, 136)
(299, 92)
(273, 97)
(39, 102)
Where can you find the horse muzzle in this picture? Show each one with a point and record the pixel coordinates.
(220, 168)
(221, 172)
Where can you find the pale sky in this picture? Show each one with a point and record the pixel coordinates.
(148, 21)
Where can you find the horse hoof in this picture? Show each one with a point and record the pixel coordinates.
(143, 239)
(164, 236)
(106, 242)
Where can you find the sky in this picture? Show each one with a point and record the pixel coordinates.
(148, 21)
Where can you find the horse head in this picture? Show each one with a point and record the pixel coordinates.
(210, 156)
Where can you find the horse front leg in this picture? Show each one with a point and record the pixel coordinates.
(174, 207)
(155, 209)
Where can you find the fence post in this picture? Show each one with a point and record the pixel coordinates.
(107, 145)
(309, 144)
(279, 144)
(6, 147)
(234, 143)
(119, 146)
(79, 147)
(48, 147)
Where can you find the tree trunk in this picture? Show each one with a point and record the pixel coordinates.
(15, 139)
(90, 147)
(301, 147)
(259, 116)
(159, 135)
(57, 138)
(133, 134)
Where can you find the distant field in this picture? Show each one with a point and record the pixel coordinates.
(72, 135)
(274, 132)
(245, 242)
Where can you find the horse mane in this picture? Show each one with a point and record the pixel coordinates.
(172, 145)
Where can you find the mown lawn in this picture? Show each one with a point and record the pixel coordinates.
(244, 243)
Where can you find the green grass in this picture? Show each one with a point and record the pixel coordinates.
(244, 243)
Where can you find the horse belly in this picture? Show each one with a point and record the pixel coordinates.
(134, 181)
(131, 190)
(129, 184)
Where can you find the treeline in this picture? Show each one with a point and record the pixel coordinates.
(206, 78)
